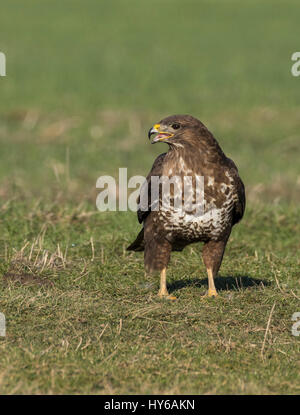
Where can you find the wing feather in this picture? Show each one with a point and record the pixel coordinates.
(240, 205)
(144, 200)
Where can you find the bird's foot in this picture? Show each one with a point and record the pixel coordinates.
(211, 293)
(166, 296)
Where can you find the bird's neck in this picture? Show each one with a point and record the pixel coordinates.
(199, 152)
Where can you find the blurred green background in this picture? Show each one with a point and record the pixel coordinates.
(85, 81)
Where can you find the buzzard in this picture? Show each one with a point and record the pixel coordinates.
(193, 152)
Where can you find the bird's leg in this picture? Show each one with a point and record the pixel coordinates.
(212, 256)
(163, 291)
(156, 258)
(212, 292)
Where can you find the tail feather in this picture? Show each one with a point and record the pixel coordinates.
(138, 244)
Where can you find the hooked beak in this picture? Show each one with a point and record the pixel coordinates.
(162, 135)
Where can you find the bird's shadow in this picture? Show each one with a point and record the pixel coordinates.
(226, 283)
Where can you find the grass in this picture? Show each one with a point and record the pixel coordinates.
(83, 86)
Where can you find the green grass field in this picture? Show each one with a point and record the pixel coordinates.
(85, 81)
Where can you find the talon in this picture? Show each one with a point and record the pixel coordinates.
(166, 296)
(212, 293)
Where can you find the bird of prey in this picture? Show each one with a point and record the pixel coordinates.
(193, 152)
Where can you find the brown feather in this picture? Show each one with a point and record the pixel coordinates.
(193, 151)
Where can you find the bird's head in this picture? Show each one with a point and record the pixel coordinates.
(176, 130)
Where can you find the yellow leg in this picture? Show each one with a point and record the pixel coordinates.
(212, 292)
(163, 292)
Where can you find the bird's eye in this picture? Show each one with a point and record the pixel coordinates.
(175, 126)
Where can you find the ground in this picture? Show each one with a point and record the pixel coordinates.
(83, 86)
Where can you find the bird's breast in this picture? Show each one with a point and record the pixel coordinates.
(196, 208)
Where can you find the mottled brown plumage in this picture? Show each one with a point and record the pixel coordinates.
(193, 152)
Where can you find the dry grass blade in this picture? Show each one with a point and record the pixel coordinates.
(267, 330)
